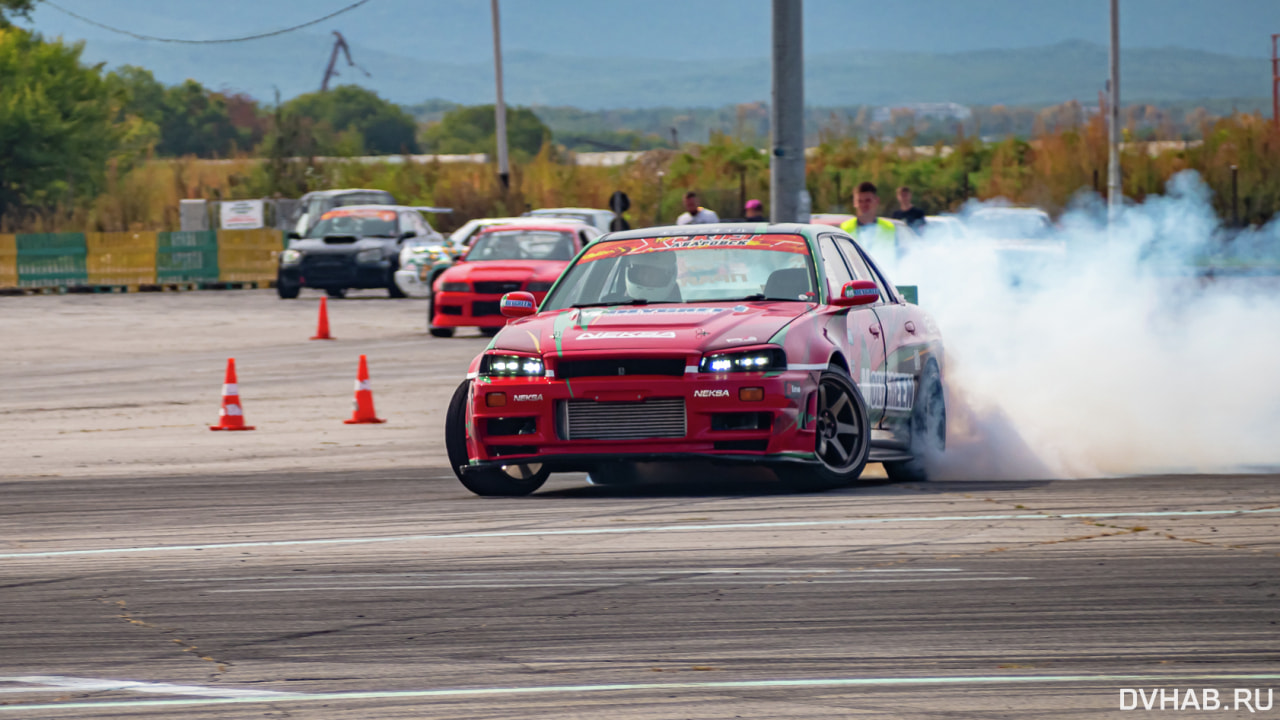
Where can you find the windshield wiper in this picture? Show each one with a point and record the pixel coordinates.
(628, 301)
(762, 296)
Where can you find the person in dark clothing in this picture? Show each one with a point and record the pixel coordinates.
(906, 212)
(755, 211)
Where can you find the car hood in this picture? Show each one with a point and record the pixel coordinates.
(488, 270)
(665, 328)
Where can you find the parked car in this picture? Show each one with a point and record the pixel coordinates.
(502, 259)
(421, 264)
(317, 203)
(599, 219)
(1022, 238)
(779, 345)
(352, 247)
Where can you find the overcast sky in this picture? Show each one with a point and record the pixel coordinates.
(690, 29)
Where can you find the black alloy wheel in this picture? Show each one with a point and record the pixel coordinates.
(506, 481)
(337, 293)
(842, 438)
(928, 429)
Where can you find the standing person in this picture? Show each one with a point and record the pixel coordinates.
(877, 235)
(906, 212)
(694, 213)
(754, 211)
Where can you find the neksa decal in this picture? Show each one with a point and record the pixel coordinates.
(710, 393)
(627, 335)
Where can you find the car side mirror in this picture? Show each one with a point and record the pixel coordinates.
(858, 292)
(407, 234)
(293, 235)
(517, 304)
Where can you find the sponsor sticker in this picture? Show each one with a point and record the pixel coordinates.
(529, 398)
(720, 392)
(628, 335)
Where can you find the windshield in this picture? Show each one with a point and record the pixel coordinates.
(698, 268)
(361, 223)
(522, 245)
(1002, 225)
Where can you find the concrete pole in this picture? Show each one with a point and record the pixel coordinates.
(500, 107)
(786, 167)
(1115, 191)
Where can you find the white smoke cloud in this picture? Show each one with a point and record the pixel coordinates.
(1114, 357)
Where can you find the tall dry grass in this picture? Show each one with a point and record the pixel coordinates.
(1048, 171)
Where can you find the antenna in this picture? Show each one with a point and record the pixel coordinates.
(339, 44)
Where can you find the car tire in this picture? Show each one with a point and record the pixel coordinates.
(440, 332)
(336, 293)
(843, 438)
(393, 288)
(287, 289)
(508, 481)
(614, 473)
(490, 331)
(928, 429)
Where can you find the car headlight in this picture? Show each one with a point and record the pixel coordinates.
(750, 361)
(540, 286)
(370, 256)
(512, 366)
(455, 287)
(290, 257)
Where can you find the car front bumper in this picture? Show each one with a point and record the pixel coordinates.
(578, 423)
(335, 271)
(469, 309)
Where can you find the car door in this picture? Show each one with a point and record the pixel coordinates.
(857, 330)
(903, 342)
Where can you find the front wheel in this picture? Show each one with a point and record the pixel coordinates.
(843, 438)
(928, 430)
(287, 289)
(337, 293)
(440, 332)
(506, 481)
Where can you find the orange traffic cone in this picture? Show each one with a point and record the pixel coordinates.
(322, 329)
(364, 398)
(231, 416)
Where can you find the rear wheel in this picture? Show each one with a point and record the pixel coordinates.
(928, 429)
(843, 439)
(490, 332)
(506, 481)
(336, 292)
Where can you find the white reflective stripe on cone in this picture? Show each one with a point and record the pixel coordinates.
(231, 389)
(363, 385)
(231, 410)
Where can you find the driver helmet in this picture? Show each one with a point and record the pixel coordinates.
(652, 276)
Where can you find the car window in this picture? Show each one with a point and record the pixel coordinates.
(522, 245)
(837, 272)
(858, 263)
(358, 222)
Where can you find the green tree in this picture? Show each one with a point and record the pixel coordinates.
(351, 120)
(16, 8)
(58, 122)
(196, 122)
(470, 129)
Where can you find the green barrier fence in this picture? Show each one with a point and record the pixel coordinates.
(190, 256)
(52, 259)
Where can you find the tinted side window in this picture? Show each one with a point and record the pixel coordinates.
(837, 272)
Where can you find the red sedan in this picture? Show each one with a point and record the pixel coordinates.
(502, 259)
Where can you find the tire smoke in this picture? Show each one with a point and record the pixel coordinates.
(1148, 346)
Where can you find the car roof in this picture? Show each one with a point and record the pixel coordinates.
(343, 191)
(368, 206)
(571, 210)
(531, 221)
(718, 229)
(564, 225)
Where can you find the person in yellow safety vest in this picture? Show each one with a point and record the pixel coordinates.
(877, 235)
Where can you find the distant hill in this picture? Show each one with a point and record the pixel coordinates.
(294, 64)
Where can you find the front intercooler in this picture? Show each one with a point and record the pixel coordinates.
(591, 420)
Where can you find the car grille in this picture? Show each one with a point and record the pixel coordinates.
(613, 367)
(590, 420)
(485, 307)
(321, 268)
(497, 288)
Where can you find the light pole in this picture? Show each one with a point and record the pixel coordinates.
(500, 107)
(786, 166)
(1115, 192)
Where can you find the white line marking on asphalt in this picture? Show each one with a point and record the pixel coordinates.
(313, 588)
(60, 683)
(560, 573)
(658, 687)
(640, 529)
